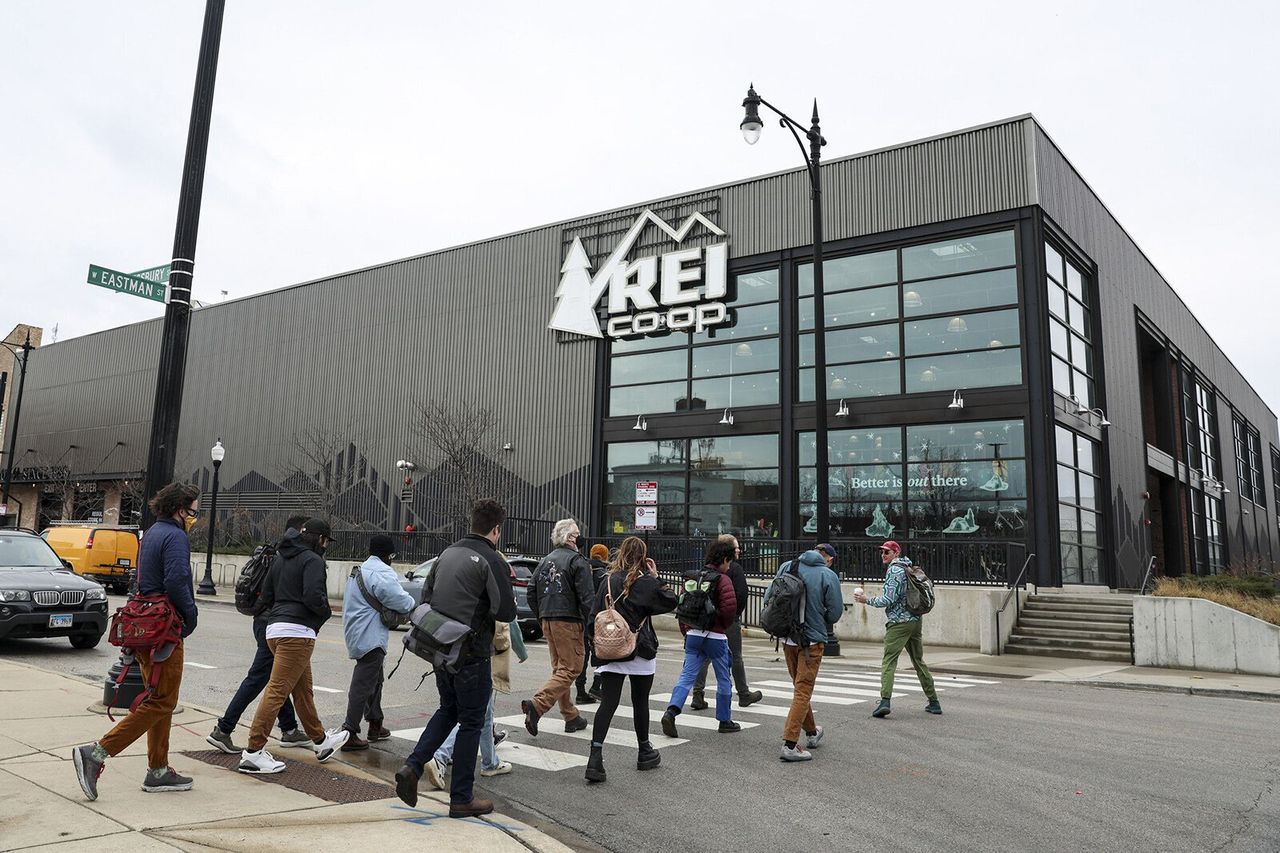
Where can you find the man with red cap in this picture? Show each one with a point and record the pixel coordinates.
(902, 629)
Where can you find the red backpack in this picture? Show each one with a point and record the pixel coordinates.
(144, 624)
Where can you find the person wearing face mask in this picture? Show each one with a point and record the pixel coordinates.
(164, 568)
(562, 593)
(296, 600)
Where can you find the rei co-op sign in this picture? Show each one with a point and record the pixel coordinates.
(681, 289)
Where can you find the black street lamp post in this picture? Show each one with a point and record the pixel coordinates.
(217, 454)
(751, 127)
(13, 434)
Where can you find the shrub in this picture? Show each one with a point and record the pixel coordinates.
(1254, 587)
(1266, 609)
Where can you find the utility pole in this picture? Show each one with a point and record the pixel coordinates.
(167, 412)
(13, 433)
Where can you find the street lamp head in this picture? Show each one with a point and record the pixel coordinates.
(751, 123)
(217, 453)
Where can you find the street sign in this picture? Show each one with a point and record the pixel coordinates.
(646, 518)
(647, 493)
(160, 273)
(125, 283)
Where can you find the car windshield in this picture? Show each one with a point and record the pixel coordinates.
(27, 552)
(522, 571)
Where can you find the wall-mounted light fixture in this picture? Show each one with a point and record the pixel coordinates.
(957, 402)
(727, 418)
(641, 424)
(842, 411)
(408, 468)
(507, 447)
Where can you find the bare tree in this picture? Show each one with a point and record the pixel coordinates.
(324, 466)
(460, 455)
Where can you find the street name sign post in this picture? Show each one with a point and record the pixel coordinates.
(124, 283)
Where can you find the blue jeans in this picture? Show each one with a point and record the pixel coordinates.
(254, 681)
(488, 749)
(464, 696)
(697, 651)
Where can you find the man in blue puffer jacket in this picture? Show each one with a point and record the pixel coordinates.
(824, 605)
(367, 638)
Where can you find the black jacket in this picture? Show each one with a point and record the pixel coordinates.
(738, 576)
(562, 588)
(649, 596)
(295, 589)
(471, 583)
(599, 571)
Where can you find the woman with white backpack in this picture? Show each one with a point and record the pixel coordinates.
(626, 646)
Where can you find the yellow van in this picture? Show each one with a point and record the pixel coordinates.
(108, 555)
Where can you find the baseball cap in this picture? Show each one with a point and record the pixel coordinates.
(317, 527)
(890, 545)
(826, 548)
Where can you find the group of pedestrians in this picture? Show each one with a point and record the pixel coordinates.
(471, 583)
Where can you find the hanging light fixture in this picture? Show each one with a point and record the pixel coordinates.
(928, 376)
(957, 324)
(911, 299)
(838, 384)
(743, 350)
(995, 343)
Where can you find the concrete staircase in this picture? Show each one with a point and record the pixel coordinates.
(1093, 627)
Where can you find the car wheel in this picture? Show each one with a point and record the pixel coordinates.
(85, 641)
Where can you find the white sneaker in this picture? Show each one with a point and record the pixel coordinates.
(796, 753)
(333, 741)
(259, 762)
(437, 772)
(813, 740)
(503, 768)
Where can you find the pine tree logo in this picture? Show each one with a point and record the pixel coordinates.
(579, 291)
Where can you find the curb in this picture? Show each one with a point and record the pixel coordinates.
(1209, 692)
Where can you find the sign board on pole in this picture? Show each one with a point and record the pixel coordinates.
(646, 518)
(160, 273)
(125, 283)
(646, 493)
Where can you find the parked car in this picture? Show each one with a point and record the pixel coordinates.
(41, 597)
(108, 555)
(521, 573)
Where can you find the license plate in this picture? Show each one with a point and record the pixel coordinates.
(60, 621)
(123, 562)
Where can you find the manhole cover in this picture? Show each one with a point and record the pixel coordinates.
(314, 779)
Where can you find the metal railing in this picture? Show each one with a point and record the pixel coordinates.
(1012, 594)
(1147, 577)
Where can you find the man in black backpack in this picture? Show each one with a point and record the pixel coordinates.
(471, 583)
(824, 605)
(256, 679)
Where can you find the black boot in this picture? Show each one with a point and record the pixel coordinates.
(648, 758)
(698, 702)
(595, 765)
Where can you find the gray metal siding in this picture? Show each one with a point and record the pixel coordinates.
(1127, 279)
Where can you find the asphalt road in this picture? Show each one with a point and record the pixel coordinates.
(1010, 765)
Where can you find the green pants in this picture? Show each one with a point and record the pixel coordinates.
(896, 638)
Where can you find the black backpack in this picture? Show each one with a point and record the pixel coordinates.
(784, 612)
(249, 581)
(696, 607)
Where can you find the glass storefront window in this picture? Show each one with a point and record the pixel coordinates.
(1070, 327)
(730, 359)
(868, 343)
(992, 330)
(851, 272)
(982, 369)
(852, 308)
(649, 367)
(648, 399)
(960, 255)
(961, 293)
(1079, 508)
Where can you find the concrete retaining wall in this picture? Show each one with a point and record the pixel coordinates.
(1192, 633)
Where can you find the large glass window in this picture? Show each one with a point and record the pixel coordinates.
(706, 486)
(726, 366)
(961, 480)
(1248, 446)
(1208, 547)
(1070, 327)
(1275, 481)
(1079, 506)
(916, 320)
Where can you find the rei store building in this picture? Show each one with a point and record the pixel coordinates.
(1005, 371)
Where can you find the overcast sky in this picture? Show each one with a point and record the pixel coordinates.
(347, 134)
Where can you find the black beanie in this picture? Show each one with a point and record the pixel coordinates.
(382, 546)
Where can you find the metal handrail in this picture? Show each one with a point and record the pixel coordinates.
(1012, 594)
(1146, 578)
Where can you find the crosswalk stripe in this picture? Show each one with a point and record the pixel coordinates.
(685, 720)
(843, 691)
(766, 710)
(619, 738)
(829, 700)
(900, 683)
(526, 755)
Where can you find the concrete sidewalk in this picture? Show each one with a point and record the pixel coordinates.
(956, 661)
(43, 714)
